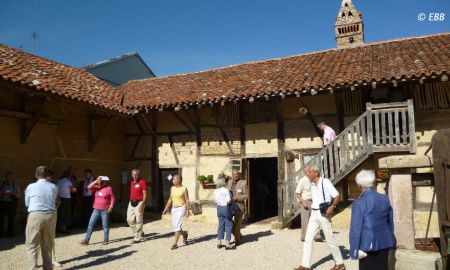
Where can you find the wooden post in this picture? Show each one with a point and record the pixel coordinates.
(198, 152)
(412, 127)
(338, 99)
(441, 163)
(281, 158)
(157, 186)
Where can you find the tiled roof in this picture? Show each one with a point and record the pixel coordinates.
(377, 62)
(43, 75)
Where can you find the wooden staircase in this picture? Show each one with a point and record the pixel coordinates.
(386, 127)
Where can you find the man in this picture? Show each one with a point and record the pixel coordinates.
(135, 212)
(322, 190)
(65, 189)
(238, 188)
(9, 194)
(87, 196)
(304, 197)
(40, 199)
(328, 133)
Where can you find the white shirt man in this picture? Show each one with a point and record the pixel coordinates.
(320, 188)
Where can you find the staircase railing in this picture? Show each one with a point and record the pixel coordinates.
(387, 127)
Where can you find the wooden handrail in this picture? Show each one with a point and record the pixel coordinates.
(387, 127)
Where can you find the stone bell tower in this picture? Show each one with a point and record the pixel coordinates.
(349, 27)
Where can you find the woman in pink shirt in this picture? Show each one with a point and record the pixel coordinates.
(103, 205)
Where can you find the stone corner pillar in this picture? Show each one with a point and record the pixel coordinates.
(401, 197)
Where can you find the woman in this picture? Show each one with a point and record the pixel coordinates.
(179, 199)
(103, 205)
(372, 226)
(223, 200)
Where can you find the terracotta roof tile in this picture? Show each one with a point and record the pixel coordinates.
(43, 75)
(397, 59)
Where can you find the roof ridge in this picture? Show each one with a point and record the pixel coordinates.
(290, 56)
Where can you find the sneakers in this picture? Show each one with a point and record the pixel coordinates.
(105, 242)
(338, 267)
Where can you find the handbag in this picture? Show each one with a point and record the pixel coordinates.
(233, 205)
(325, 205)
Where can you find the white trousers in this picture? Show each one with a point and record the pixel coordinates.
(316, 222)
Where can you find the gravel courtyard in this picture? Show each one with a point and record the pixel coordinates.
(261, 249)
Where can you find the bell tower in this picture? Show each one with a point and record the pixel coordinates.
(349, 27)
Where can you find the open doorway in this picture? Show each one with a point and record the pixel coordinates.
(166, 176)
(262, 184)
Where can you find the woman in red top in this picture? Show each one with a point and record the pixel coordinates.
(103, 205)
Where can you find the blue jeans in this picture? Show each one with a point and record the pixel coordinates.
(105, 223)
(225, 222)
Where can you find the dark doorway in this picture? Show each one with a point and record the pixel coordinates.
(166, 183)
(262, 175)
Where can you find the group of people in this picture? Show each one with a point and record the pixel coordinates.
(48, 204)
(372, 228)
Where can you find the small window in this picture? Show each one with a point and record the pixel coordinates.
(350, 14)
(236, 164)
(350, 39)
(346, 4)
(343, 14)
(339, 30)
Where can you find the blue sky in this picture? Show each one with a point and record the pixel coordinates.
(179, 36)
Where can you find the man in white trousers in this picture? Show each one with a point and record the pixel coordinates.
(322, 190)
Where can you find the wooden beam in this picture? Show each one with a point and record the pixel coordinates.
(183, 122)
(136, 121)
(93, 138)
(242, 138)
(136, 144)
(28, 127)
(226, 139)
(28, 116)
(147, 124)
(161, 134)
(174, 151)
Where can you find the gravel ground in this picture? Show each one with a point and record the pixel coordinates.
(261, 249)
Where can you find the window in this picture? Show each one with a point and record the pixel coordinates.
(235, 164)
(350, 14)
(350, 39)
(343, 14)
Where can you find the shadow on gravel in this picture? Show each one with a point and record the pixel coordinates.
(254, 237)
(345, 255)
(200, 239)
(104, 259)
(96, 253)
(10, 242)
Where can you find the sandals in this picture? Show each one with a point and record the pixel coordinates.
(220, 246)
(174, 247)
(105, 242)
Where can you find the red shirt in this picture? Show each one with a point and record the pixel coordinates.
(137, 190)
